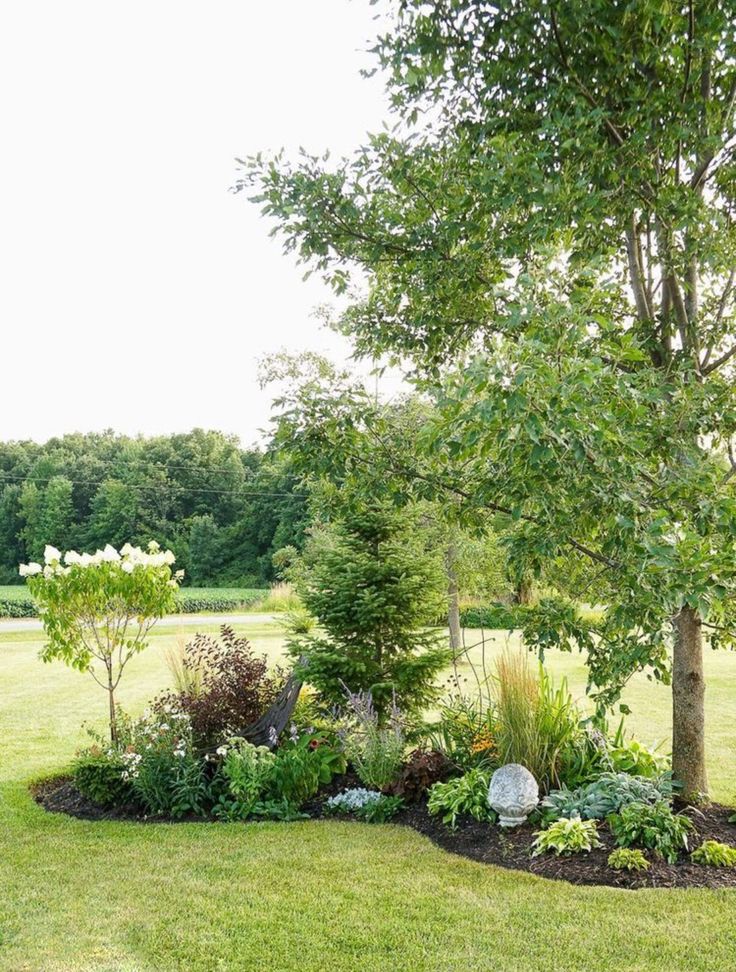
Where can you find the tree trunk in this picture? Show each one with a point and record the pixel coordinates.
(453, 601)
(688, 711)
(113, 715)
(524, 593)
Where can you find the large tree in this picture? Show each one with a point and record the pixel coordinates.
(553, 217)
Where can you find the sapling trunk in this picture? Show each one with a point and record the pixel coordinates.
(453, 600)
(111, 699)
(688, 709)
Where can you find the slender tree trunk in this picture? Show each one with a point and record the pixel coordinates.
(113, 714)
(688, 710)
(453, 600)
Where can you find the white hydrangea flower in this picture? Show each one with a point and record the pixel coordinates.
(71, 557)
(51, 554)
(110, 554)
(29, 570)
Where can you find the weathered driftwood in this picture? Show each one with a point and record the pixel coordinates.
(266, 730)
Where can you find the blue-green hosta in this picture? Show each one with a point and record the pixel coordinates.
(606, 795)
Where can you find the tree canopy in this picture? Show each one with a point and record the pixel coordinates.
(547, 235)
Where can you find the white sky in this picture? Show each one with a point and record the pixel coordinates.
(136, 292)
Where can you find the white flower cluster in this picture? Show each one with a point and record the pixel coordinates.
(132, 763)
(153, 730)
(355, 799)
(128, 557)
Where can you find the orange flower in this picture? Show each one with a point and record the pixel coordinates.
(482, 742)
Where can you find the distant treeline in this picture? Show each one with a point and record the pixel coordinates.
(223, 510)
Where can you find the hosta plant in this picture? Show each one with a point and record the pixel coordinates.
(463, 795)
(606, 795)
(567, 836)
(655, 827)
(627, 859)
(634, 757)
(715, 854)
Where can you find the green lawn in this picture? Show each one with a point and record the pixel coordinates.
(307, 896)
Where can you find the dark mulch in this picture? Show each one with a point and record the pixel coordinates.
(60, 795)
(480, 841)
(513, 848)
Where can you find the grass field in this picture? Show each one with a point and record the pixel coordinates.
(13, 592)
(303, 897)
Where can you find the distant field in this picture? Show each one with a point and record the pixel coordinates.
(15, 592)
(15, 602)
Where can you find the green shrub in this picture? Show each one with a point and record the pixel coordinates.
(244, 776)
(604, 796)
(302, 765)
(298, 621)
(715, 854)
(191, 600)
(21, 606)
(464, 795)
(655, 828)
(165, 774)
(565, 836)
(627, 859)
(98, 775)
(500, 617)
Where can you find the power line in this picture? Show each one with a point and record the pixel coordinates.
(166, 487)
(145, 463)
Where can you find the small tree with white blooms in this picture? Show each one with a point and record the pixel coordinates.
(97, 609)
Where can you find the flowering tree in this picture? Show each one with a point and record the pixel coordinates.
(97, 609)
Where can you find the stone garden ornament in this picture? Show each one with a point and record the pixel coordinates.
(513, 794)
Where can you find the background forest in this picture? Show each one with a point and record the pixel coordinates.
(222, 509)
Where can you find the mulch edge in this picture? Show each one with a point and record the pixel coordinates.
(472, 840)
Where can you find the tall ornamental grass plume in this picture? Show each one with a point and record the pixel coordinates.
(98, 609)
(535, 723)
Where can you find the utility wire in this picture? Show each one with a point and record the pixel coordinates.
(167, 487)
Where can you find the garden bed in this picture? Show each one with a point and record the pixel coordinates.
(483, 842)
